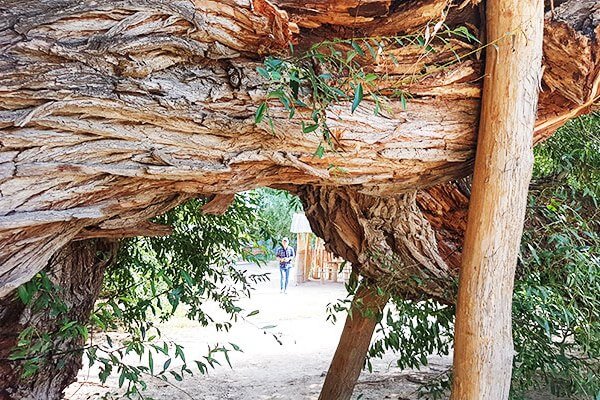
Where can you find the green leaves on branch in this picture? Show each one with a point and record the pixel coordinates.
(343, 70)
(153, 279)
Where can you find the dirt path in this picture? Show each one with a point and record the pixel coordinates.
(265, 370)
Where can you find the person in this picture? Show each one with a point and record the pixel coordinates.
(285, 255)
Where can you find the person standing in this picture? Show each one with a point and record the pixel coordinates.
(285, 255)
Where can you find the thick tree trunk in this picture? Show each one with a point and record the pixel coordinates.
(350, 355)
(387, 239)
(111, 112)
(483, 347)
(78, 270)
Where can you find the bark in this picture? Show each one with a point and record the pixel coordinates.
(351, 352)
(112, 113)
(483, 346)
(387, 239)
(78, 269)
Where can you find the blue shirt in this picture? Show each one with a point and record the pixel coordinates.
(285, 253)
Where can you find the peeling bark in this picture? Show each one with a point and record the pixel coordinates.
(387, 239)
(111, 113)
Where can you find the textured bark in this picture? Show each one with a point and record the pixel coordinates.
(113, 112)
(387, 239)
(483, 345)
(78, 269)
(351, 352)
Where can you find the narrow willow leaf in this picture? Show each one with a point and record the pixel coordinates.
(358, 96)
(23, 294)
(309, 128)
(263, 72)
(357, 48)
(260, 113)
(320, 151)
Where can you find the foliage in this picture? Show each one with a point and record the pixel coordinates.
(556, 308)
(34, 345)
(275, 208)
(414, 330)
(152, 279)
(341, 71)
(572, 158)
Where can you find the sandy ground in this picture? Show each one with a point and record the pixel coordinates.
(294, 369)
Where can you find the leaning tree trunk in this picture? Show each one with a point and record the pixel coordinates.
(111, 111)
(483, 346)
(77, 270)
(366, 311)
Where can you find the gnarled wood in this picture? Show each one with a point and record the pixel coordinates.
(387, 239)
(112, 112)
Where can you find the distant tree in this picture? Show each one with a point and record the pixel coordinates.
(276, 207)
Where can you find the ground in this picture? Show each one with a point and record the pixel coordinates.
(266, 369)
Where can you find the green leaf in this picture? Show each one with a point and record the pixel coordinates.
(201, 366)
(320, 151)
(260, 113)
(178, 377)
(358, 96)
(357, 48)
(370, 77)
(263, 72)
(309, 128)
(273, 62)
(253, 313)
(24, 294)
(403, 100)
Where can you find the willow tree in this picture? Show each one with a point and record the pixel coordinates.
(114, 112)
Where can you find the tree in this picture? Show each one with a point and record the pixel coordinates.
(50, 316)
(114, 113)
(555, 302)
(118, 113)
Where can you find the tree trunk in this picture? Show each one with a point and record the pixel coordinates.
(483, 347)
(78, 270)
(387, 239)
(111, 112)
(350, 355)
